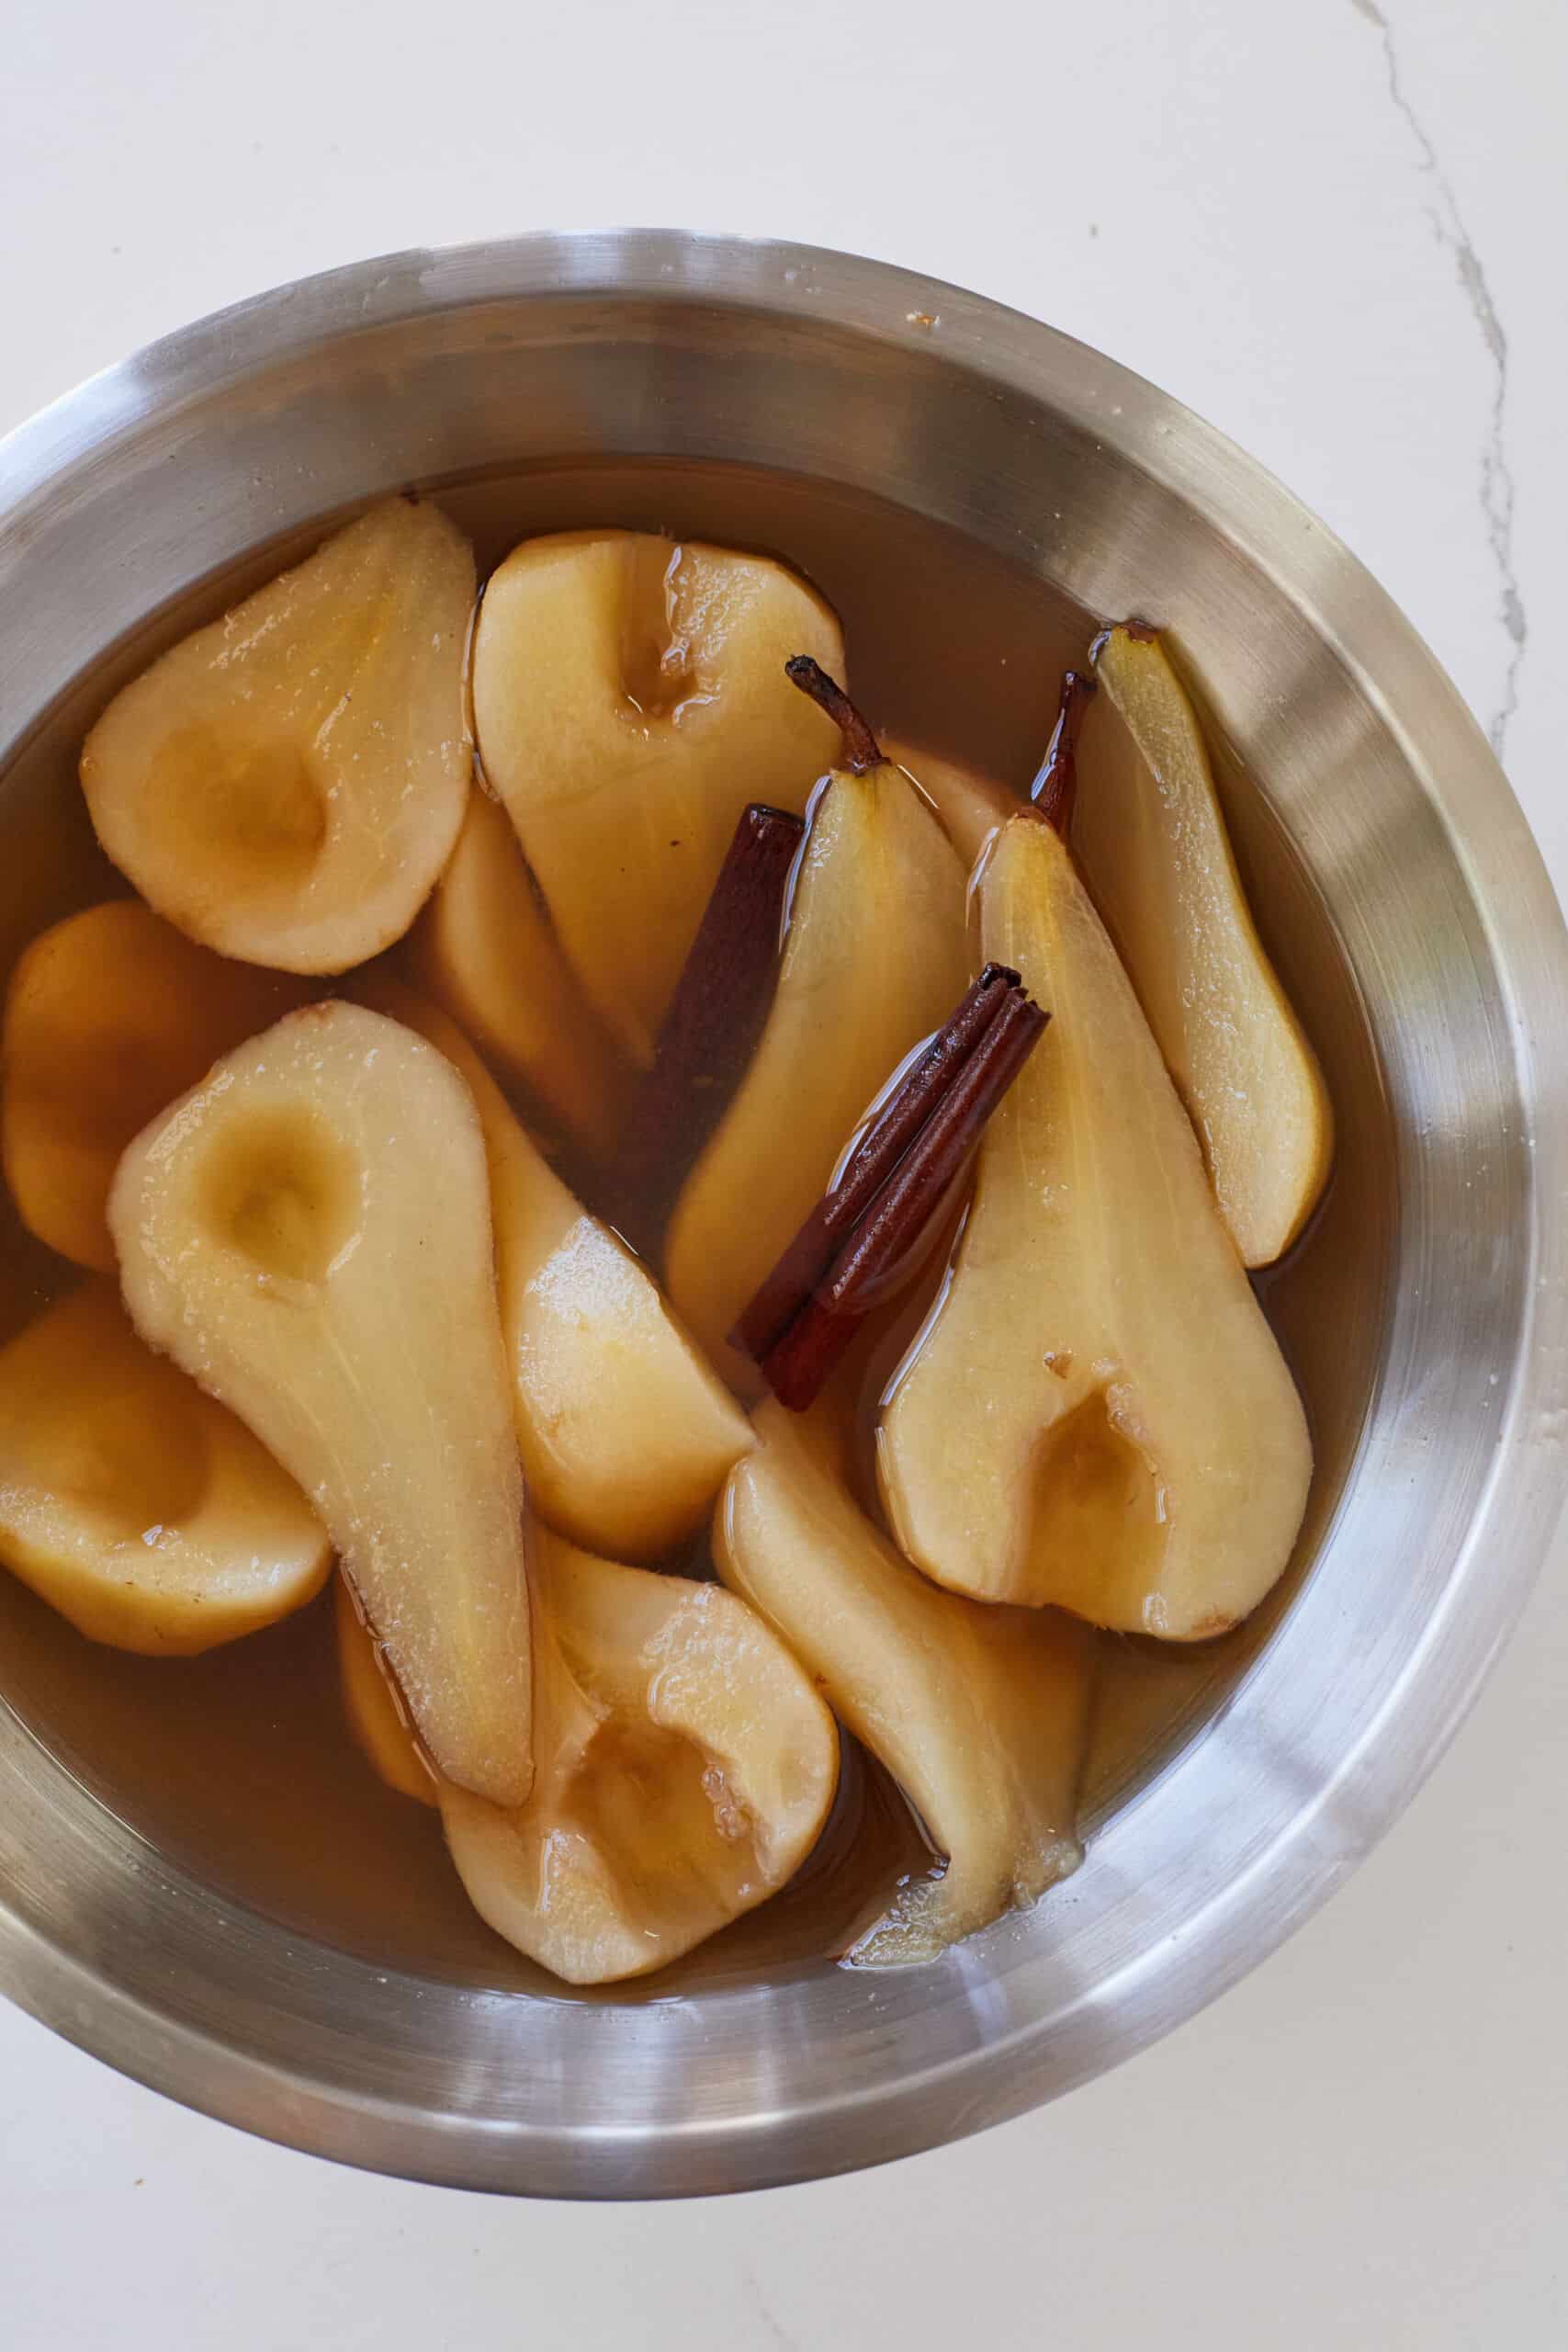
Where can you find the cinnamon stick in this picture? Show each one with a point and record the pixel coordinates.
(866, 1238)
(714, 1020)
(886, 1247)
(888, 1137)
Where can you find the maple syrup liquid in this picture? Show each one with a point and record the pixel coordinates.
(237, 1765)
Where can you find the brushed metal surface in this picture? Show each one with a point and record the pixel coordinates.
(246, 427)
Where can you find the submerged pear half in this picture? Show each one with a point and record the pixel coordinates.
(626, 1433)
(972, 806)
(875, 957)
(146, 1514)
(486, 950)
(629, 701)
(1096, 1413)
(1151, 838)
(109, 1015)
(685, 1768)
(308, 1233)
(980, 1715)
(286, 785)
(373, 1706)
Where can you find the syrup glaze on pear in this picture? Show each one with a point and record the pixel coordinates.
(626, 1433)
(308, 1233)
(628, 690)
(287, 784)
(1150, 835)
(1098, 1414)
(875, 956)
(685, 1766)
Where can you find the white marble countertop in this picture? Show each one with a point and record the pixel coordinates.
(1336, 229)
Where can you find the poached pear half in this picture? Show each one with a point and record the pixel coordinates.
(145, 1514)
(486, 950)
(1151, 838)
(624, 1431)
(286, 785)
(308, 1233)
(109, 1015)
(1096, 1413)
(980, 1715)
(685, 1766)
(876, 957)
(629, 700)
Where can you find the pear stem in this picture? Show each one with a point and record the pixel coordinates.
(860, 746)
(1056, 788)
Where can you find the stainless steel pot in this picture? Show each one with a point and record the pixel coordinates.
(1411, 909)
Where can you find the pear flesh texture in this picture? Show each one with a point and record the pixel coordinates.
(1151, 840)
(877, 956)
(373, 1705)
(625, 1434)
(973, 808)
(308, 1233)
(287, 784)
(110, 1014)
(685, 1768)
(1097, 1414)
(145, 1512)
(629, 701)
(980, 1715)
(485, 951)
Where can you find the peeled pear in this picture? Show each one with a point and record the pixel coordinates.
(109, 1015)
(1097, 1414)
(287, 784)
(629, 700)
(373, 1705)
(626, 1433)
(972, 806)
(485, 950)
(980, 1715)
(875, 957)
(145, 1512)
(1151, 840)
(308, 1233)
(685, 1768)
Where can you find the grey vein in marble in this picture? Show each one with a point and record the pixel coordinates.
(1496, 474)
(765, 2312)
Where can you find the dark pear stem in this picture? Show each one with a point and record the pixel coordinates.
(862, 749)
(1140, 633)
(1056, 785)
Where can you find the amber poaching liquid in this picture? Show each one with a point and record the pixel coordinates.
(237, 1765)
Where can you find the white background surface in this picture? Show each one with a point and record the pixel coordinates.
(1341, 240)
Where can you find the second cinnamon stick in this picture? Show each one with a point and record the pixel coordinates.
(714, 1020)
